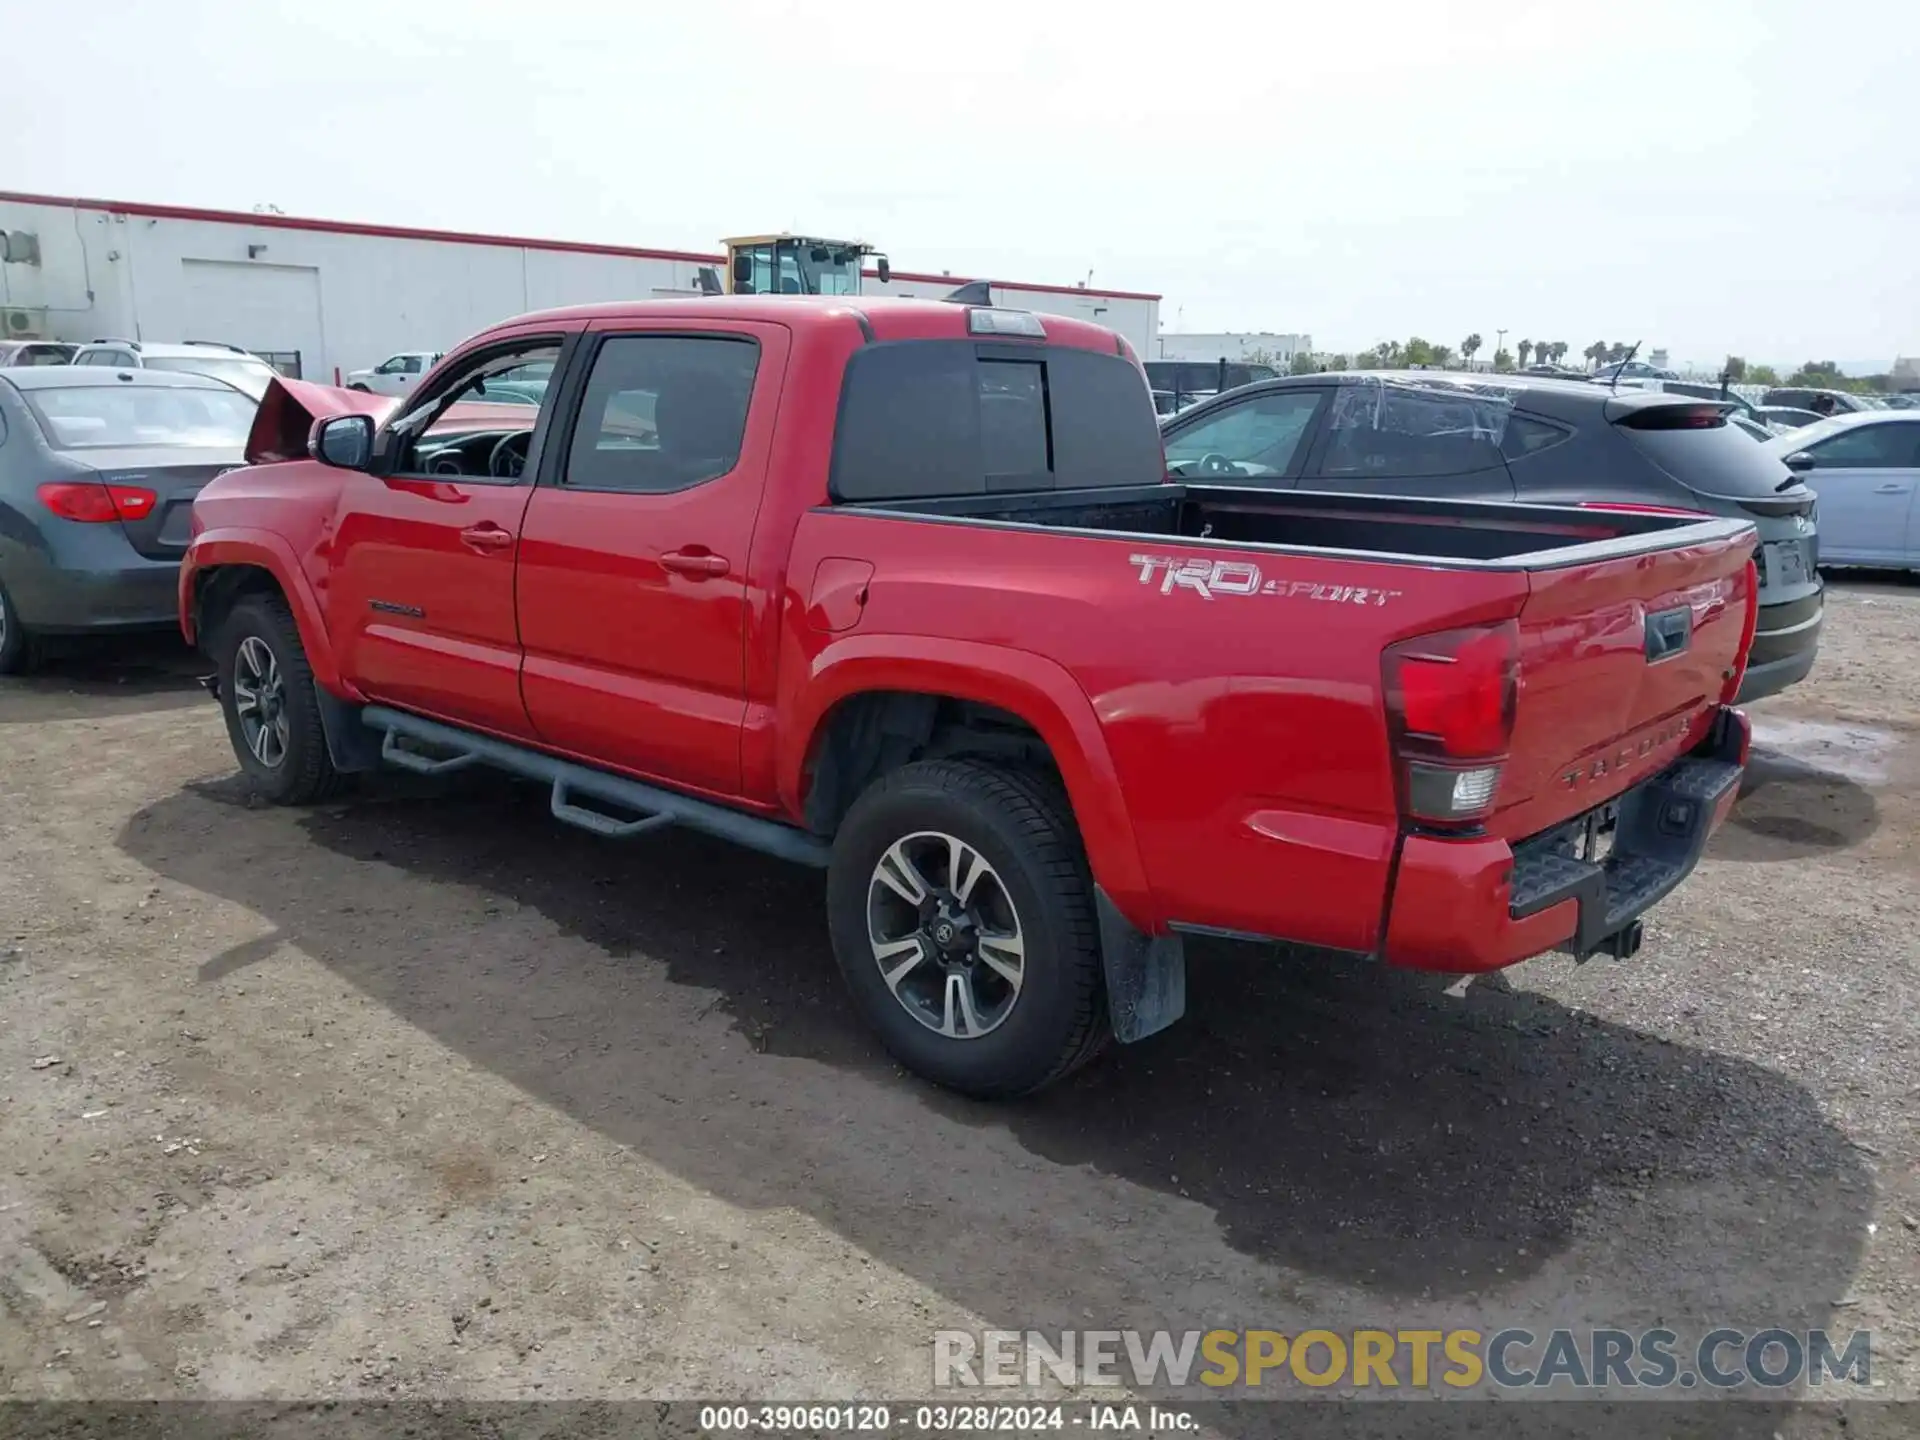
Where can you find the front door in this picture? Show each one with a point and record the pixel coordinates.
(421, 581)
(633, 587)
(1865, 477)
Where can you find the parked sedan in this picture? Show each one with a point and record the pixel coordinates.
(1786, 417)
(1504, 437)
(1866, 469)
(98, 470)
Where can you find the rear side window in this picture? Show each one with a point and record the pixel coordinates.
(1406, 431)
(922, 418)
(1527, 436)
(662, 413)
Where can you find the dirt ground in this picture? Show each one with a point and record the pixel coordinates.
(421, 1095)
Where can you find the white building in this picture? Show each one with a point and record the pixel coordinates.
(1259, 346)
(329, 296)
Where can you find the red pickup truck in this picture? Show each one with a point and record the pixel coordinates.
(901, 589)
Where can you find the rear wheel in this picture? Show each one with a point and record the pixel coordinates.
(271, 705)
(962, 917)
(18, 653)
(363, 389)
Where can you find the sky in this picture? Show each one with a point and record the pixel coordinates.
(1707, 177)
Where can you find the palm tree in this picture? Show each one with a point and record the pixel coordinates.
(1525, 347)
(1595, 353)
(1470, 347)
(1559, 348)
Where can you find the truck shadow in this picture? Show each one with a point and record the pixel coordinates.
(1343, 1122)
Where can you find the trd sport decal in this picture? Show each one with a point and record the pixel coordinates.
(1209, 578)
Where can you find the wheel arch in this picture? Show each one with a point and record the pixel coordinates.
(226, 564)
(865, 709)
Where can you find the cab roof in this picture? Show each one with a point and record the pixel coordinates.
(880, 317)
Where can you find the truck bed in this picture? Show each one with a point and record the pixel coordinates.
(1478, 534)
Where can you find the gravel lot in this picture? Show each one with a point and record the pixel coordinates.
(421, 1095)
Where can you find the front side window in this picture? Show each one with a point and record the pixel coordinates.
(1260, 436)
(662, 413)
(390, 367)
(478, 426)
(1872, 447)
(88, 417)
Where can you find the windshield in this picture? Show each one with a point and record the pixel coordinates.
(93, 417)
(242, 373)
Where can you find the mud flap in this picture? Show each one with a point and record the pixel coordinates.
(1146, 974)
(350, 745)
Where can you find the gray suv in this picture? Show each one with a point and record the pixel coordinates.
(1517, 437)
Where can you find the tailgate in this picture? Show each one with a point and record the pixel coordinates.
(1623, 664)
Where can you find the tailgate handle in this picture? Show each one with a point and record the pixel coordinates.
(1668, 632)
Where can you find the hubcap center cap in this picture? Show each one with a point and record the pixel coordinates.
(953, 931)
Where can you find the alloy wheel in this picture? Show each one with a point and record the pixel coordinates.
(260, 701)
(946, 935)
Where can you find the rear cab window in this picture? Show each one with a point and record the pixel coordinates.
(925, 418)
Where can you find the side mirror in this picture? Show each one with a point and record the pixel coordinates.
(1800, 462)
(742, 269)
(344, 441)
(884, 269)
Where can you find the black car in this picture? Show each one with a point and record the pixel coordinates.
(1517, 437)
(1821, 402)
(98, 470)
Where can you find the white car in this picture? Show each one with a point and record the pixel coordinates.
(1866, 470)
(395, 375)
(245, 371)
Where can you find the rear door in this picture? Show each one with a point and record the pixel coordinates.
(1866, 478)
(1406, 437)
(633, 583)
(1261, 439)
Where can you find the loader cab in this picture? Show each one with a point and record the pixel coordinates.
(798, 265)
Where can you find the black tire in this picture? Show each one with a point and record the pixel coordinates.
(19, 654)
(363, 389)
(301, 772)
(1020, 826)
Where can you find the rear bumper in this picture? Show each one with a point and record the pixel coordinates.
(113, 593)
(1472, 905)
(1786, 639)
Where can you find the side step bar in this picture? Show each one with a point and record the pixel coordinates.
(648, 807)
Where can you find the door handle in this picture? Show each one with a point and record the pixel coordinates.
(697, 563)
(486, 537)
(1891, 489)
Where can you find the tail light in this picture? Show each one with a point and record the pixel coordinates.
(1626, 508)
(1747, 630)
(1450, 704)
(93, 503)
